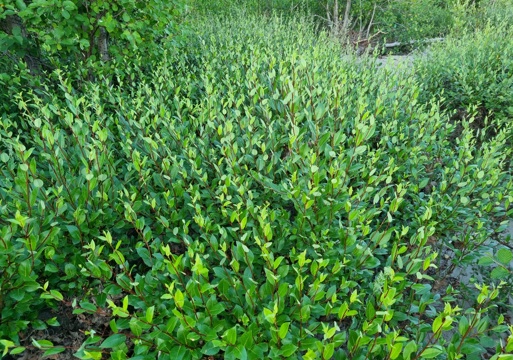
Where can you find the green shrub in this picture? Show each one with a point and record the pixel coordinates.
(473, 72)
(396, 20)
(40, 36)
(260, 196)
(415, 20)
(70, 30)
(477, 15)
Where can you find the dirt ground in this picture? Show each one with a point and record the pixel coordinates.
(70, 334)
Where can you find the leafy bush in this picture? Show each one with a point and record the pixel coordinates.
(258, 197)
(39, 36)
(477, 15)
(415, 20)
(71, 29)
(473, 71)
(396, 20)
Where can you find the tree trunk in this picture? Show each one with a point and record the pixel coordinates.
(371, 21)
(347, 19)
(103, 44)
(336, 19)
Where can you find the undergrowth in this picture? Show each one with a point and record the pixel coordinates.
(256, 196)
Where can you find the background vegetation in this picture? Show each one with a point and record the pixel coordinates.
(217, 179)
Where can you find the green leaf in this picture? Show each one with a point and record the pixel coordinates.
(171, 324)
(6, 345)
(149, 314)
(471, 346)
(24, 268)
(209, 349)
(487, 342)
(38, 183)
(409, 349)
(240, 352)
(120, 354)
(179, 352)
(258, 350)
(463, 325)
(179, 298)
(328, 351)
(69, 5)
(396, 350)
(56, 295)
(89, 307)
(499, 273)
(288, 350)
(231, 335)
(135, 327)
(17, 294)
(485, 261)
(113, 341)
(145, 255)
(84, 44)
(360, 150)
(432, 352)
(437, 323)
(17, 350)
(243, 222)
(269, 315)
(482, 325)
(310, 355)
(42, 344)
(504, 256)
(284, 329)
(113, 326)
(51, 268)
(39, 325)
(217, 309)
(53, 322)
(54, 350)
(20, 4)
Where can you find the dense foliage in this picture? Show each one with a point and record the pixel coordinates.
(253, 194)
(251, 189)
(78, 37)
(392, 20)
(473, 73)
(72, 29)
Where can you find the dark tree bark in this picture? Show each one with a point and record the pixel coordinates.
(103, 44)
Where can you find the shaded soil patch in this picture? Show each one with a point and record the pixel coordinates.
(70, 334)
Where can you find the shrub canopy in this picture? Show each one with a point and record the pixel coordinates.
(256, 195)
